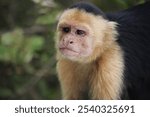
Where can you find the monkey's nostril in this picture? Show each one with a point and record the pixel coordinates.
(71, 42)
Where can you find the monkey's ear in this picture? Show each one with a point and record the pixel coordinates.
(112, 30)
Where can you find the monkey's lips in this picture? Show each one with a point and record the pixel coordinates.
(68, 51)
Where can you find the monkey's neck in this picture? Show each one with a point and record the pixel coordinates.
(108, 74)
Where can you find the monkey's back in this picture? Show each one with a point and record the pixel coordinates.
(134, 39)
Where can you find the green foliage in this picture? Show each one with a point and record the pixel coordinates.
(17, 48)
(115, 5)
(27, 56)
(49, 18)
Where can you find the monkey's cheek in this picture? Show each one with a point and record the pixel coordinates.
(88, 52)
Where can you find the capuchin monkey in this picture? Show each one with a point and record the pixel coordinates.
(104, 55)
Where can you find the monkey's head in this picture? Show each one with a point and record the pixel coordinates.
(83, 34)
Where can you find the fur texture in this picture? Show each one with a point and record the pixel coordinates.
(119, 66)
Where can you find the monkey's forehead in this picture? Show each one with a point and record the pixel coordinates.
(79, 16)
(74, 15)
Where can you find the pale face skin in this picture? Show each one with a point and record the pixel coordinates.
(75, 41)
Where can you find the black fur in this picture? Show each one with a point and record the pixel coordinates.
(90, 8)
(134, 39)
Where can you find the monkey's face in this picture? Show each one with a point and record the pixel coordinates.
(83, 36)
(75, 41)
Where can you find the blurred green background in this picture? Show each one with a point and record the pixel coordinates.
(27, 52)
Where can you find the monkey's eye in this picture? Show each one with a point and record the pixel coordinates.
(80, 32)
(66, 29)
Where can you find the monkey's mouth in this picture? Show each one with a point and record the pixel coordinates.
(68, 51)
